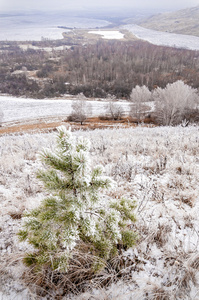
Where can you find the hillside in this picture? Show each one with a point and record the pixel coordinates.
(183, 21)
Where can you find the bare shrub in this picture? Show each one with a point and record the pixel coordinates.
(114, 110)
(81, 109)
(139, 95)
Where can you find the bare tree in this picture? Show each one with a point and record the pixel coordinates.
(172, 102)
(114, 110)
(139, 95)
(81, 109)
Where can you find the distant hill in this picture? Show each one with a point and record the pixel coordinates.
(184, 21)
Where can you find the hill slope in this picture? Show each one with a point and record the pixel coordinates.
(184, 21)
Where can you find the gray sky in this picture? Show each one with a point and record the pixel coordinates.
(83, 4)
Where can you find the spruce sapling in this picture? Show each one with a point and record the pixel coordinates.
(75, 210)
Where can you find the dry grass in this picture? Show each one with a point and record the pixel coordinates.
(89, 124)
(41, 127)
(16, 215)
(85, 272)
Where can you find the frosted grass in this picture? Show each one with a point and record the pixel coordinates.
(158, 167)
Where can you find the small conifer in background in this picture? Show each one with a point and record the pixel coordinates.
(75, 210)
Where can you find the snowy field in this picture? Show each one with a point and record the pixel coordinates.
(158, 167)
(31, 27)
(21, 109)
(116, 35)
(31, 33)
(164, 38)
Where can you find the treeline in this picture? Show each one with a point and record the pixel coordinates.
(175, 104)
(97, 70)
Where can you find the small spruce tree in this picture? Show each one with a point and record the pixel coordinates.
(75, 210)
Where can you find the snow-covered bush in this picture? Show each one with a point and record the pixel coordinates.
(74, 212)
(173, 102)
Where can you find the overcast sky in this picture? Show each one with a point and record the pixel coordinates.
(83, 4)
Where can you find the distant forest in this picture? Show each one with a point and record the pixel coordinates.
(96, 70)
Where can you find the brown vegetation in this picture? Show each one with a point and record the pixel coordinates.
(21, 128)
(97, 70)
(90, 123)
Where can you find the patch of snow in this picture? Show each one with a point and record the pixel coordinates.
(109, 35)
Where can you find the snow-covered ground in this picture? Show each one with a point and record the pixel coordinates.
(164, 38)
(17, 109)
(116, 35)
(158, 167)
